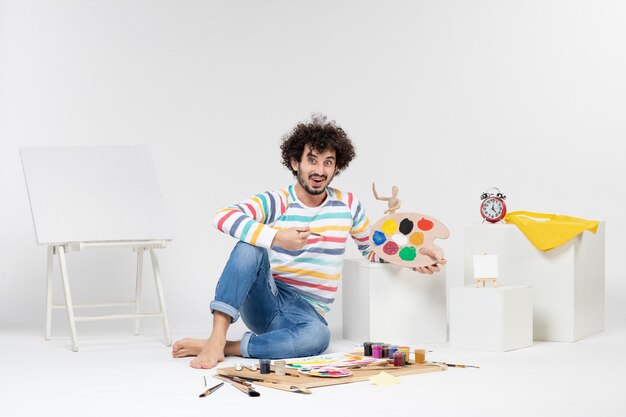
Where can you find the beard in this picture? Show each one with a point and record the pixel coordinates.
(302, 180)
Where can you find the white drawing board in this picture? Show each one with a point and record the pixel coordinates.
(94, 194)
(485, 266)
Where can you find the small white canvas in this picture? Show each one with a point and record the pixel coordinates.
(485, 266)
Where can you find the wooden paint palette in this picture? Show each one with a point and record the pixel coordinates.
(399, 237)
(307, 381)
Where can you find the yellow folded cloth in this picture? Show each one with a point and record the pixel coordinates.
(547, 231)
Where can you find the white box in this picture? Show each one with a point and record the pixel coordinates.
(493, 319)
(389, 303)
(568, 281)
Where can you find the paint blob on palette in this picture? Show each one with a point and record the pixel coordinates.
(399, 237)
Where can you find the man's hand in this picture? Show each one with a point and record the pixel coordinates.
(430, 269)
(291, 239)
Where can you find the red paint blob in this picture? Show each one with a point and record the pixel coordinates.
(425, 224)
(390, 248)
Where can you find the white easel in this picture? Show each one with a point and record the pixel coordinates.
(94, 198)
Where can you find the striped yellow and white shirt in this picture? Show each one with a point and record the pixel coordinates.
(313, 271)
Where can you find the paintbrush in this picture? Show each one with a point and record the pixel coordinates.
(270, 383)
(246, 389)
(284, 387)
(457, 365)
(372, 368)
(312, 233)
(383, 363)
(211, 390)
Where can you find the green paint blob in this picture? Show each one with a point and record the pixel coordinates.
(408, 253)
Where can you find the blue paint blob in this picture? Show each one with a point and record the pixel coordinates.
(379, 238)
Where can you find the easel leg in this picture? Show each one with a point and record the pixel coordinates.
(159, 288)
(138, 287)
(49, 292)
(68, 297)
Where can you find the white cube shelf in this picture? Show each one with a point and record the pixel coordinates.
(568, 281)
(389, 303)
(492, 319)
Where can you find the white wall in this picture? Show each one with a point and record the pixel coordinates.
(458, 96)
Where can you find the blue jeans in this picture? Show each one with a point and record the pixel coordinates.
(283, 324)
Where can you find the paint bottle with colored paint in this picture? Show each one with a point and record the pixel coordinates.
(420, 355)
(377, 351)
(398, 358)
(367, 348)
(280, 367)
(405, 350)
(385, 353)
(392, 349)
(264, 365)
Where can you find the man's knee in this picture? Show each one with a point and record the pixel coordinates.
(315, 340)
(246, 253)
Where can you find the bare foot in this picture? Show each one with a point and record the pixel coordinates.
(188, 347)
(211, 354)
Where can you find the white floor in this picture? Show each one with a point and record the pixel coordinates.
(121, 374)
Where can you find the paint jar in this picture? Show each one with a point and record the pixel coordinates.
(377, 351)
(367, 348)
(420, 355)
(385, 353)
(392, 349)
(398, 358)
(264, 364)
(280, 367)
(405, 350)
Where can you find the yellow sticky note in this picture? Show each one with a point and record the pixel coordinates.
(383, 378)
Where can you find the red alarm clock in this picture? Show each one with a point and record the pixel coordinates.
(493, 207)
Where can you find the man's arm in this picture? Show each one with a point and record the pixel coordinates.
(361, 230)
(250, 220)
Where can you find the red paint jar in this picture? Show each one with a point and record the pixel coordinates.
(398, 358)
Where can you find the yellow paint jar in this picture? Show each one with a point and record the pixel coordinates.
(420, 355)
(405, 350)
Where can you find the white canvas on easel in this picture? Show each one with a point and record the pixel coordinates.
(485, 269)
(96, 197)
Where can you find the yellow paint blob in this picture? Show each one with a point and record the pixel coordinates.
(417, 238)
(390, 227)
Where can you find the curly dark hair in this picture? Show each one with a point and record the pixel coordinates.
(321, 135)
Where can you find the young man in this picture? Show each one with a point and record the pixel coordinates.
(283, 273)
